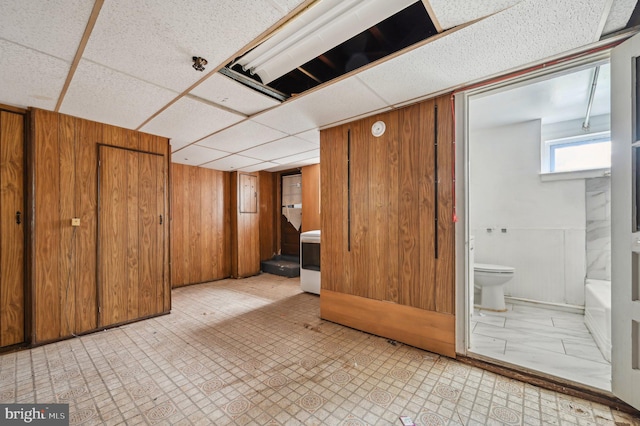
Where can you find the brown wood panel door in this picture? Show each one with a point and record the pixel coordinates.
(131, 234)
(11, 229)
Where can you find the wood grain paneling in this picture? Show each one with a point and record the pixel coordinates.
(268, 209)
(130, 234)
(47, 228)
(245, 227)
(379, 198)
(64, 258)
(200, 225)
(310, 198)
(12, 290)
(86, 193)
(423, 329)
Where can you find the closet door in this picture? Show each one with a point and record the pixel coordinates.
(130, 234)
(11, 229)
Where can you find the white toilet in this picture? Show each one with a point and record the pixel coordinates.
(491, 280)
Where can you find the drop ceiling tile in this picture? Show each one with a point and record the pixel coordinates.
(194, 155)
(24, 89)
(298, 157)
(280, 148)
(619, 15)
(287, 166)
(155, 40)
(338, 101)
(258, 167)
(102, 94)
(188, 120)
(451, 13)
(231, 94)
(312, 135)
(242, 136)
(54, 27)
(231, 163)
(527, 32)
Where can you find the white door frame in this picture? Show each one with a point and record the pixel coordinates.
(625, 240)
(463, 269)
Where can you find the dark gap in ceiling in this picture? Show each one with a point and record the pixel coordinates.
(407, 27)
(634, 20)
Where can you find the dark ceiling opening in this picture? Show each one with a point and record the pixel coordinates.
(403, 29)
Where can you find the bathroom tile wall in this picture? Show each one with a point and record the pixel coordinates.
(598, 208)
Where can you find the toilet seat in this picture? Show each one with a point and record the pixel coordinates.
(496, 269)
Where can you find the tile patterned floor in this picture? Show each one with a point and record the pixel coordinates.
(254, 352)
(545, 340)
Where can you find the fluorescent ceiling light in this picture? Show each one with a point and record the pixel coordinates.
(325, 25)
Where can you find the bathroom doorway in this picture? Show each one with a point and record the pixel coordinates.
(539, 224)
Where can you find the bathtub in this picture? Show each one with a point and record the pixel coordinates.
(597, 314)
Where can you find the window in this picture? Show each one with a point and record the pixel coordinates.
(584, 152)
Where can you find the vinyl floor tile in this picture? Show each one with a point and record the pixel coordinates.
(255, 352)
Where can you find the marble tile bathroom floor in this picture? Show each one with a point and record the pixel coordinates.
(544, 340)
(255, 352)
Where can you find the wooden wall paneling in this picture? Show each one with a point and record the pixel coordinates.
(205, 259)
(12, 290)
(179, 225)
(432, 331)
(393, 165)
(310, 198)
(380, 192)
(47, 293)
(159, 230)
(445, 269)
(85, 262)
(224, 232)
(66, 169)
(424, 292)
(235, 210)
(166, 242)
(195, 226)
(245, 227)
(268, 211)
(408, 214)
(112, 237)
(334, 257)
(200, 225)
(360, 237)
(138, 271)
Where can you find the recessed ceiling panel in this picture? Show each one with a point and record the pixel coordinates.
(24, 89)
(619, 15)
(258, 167)
(298, 157)
(102, 94)
(312, 135)
(288, 166)
(242, 136)
(280, 148)
(231, 94)
(338, 101)
(155, 40)
(451, 13)
(188, 120)
(194, 155)
(524, 33)
(230, 163)
(54, 27)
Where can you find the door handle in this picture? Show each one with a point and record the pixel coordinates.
(160, 219)
(18, 217)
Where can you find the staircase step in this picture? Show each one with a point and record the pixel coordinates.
(281, 266)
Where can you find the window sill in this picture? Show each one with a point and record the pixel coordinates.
(578, 174)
